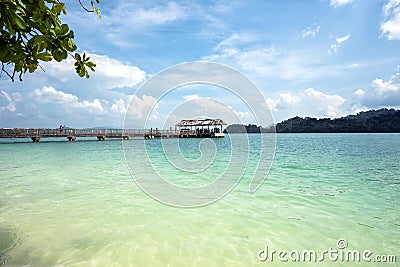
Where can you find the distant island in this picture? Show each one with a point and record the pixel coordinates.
(373, 121)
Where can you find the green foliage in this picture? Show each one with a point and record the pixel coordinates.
(373, 121)
(250, 128)
(81, 64)
(31, 31)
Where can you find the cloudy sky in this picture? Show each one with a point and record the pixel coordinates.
(322, 58)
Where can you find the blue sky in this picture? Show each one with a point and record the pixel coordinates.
(323, 58)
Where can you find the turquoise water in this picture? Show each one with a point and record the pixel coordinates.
(75, 204)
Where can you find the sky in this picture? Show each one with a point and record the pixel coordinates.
(321, 58)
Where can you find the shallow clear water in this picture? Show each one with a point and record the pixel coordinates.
(75, 203)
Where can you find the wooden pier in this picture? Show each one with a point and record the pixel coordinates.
(201, 128)
(35, 134)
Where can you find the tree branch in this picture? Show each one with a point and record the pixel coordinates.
(41, 68)
(6, 72)
(87, 10)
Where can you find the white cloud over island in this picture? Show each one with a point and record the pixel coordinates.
(382, 93)
(314, 103)
(307, 102)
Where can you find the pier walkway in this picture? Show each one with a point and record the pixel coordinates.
(35, 134)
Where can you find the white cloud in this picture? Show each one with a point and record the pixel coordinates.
(279, 63)
(123, 21)
(114, 73)
(384, 93)
(284, 101)
(381, 87)
(308, 102)
(359, 93)
(243, 114)
(390, 6)
(190, 97)
(129, 13)
(110, 73)
(119, 106)
(141, 111)
(339, 41)
(390, 27)
(338, 3)
(290, 98)
(262, 60)
(11, 100)
(128, 16)
(325, 104)
(310, 31)
(235, 40)
(381, 94)
(94, 106)
(51, 95)
(272, 103)
(70, 102)
(158, 15)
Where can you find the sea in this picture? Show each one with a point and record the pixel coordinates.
(328, 200)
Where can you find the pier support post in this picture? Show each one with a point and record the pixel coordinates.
(101, 137)
(71, 138)
(35, 139)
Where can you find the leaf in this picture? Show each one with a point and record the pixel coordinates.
(91, 65)
(20, 9)
(45, 56)
(59, 54)
(71, 34)
(82, 71)
(3, 55)
(57, 8)
(32, 67)
(9, 26)
(19, 21)
(71, 45)
(38, 17)
(77, 56)
(64, 29)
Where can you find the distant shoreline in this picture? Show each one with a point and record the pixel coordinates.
(373, 121)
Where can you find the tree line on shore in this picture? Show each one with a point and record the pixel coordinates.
(372, 121)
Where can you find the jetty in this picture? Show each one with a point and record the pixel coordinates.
(71, 134)
(207, 128)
